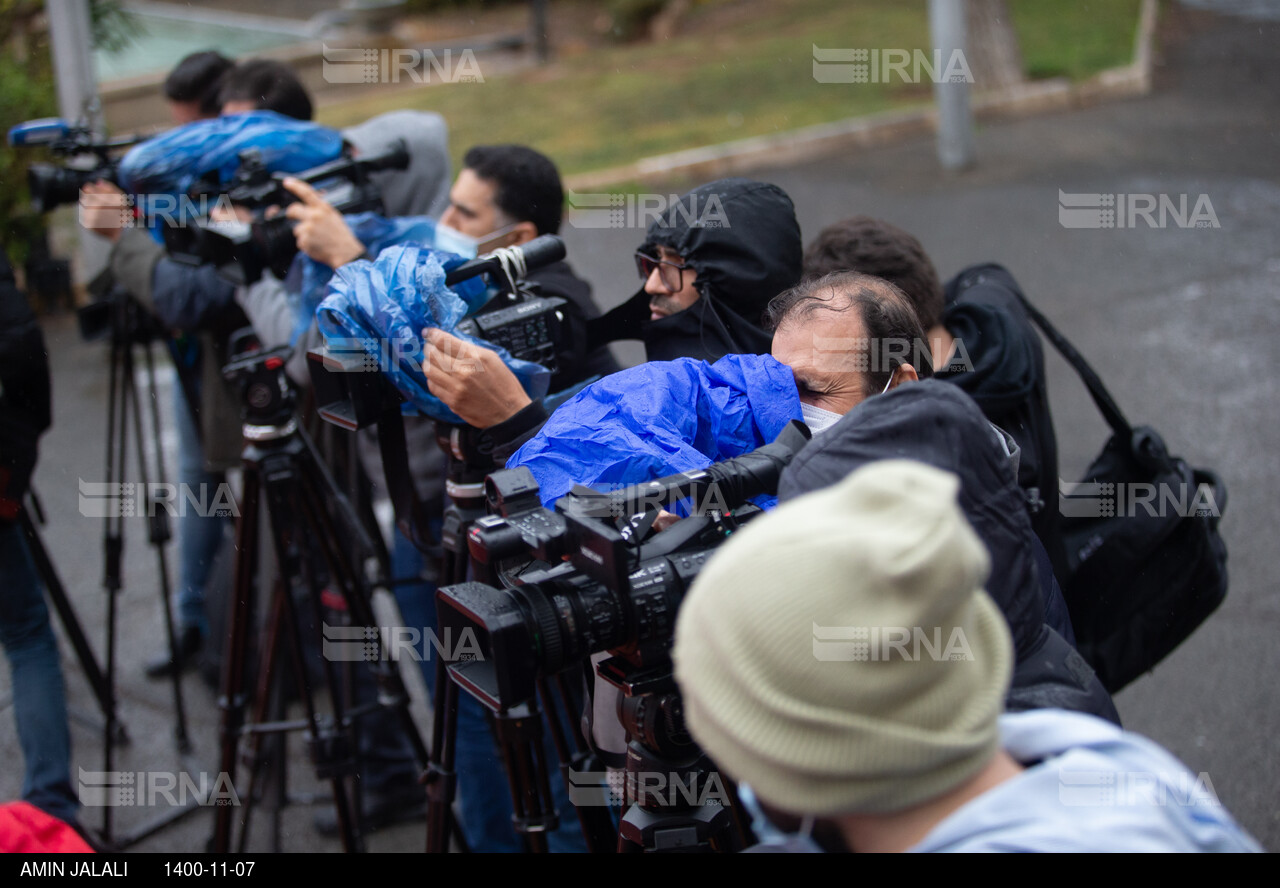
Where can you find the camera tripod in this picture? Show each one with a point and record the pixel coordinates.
(127, 325)
(674, 798)
(518, 730)
(283, 473)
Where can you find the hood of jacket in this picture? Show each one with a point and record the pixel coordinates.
(421, 189)
(740, 236)
(1003, 363)
(743, 240)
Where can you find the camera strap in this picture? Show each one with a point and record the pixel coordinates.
(411, 515)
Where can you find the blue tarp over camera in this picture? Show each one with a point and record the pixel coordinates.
(381, 308)
(659, 419)
(376, 233)
(172, 161)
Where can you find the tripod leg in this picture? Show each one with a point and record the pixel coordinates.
(231, 697)
(158, 527)
(519, 733)
(442, 782)
(113, 534)
(597, 826)
(268, 678)
(390, 684)
(282, 500)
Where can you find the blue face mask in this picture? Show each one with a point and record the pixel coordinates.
(768, 835)
(451, 240)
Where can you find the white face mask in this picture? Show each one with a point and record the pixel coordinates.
(817, 419)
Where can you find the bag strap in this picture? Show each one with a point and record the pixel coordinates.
(411, 514)
(1106, 404)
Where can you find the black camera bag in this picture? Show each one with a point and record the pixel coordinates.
(1141, 577)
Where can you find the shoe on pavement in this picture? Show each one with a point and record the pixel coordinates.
(189, 644)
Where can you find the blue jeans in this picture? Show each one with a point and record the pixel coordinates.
(484, 797)
(39, 698)
(198, 536)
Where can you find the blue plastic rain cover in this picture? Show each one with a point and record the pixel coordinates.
(172, 161)
(376, 233)
(381, 307)
(659, 419)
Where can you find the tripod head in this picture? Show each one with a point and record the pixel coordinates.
(118, 316)
(267, 398)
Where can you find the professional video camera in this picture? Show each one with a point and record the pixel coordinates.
(601, 583)
(528, 325)
(620, 587)
(89, 159)
(241, 251)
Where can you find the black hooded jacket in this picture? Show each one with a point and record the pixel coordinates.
(935, 423)
(743, 240)
(1007, 379)
(25, 404)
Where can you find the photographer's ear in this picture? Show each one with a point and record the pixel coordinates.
(520, 233)
(903, 373)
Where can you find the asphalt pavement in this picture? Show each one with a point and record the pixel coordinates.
(1181, 322)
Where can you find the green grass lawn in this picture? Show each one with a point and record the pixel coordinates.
(1074, 39)
(730, 78)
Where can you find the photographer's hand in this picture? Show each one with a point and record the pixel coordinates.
(321, 231)
(471, 380)
(104, 210)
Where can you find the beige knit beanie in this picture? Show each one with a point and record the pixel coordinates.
(839, 654)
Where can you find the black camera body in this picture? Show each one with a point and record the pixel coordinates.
(243, 250)
(530, 327)
(603, 585)
(89, 159)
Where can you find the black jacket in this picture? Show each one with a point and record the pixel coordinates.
(937, 424)
(1006, 378)
(25, 401)
(743, 240)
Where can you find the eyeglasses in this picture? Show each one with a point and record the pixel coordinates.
(671, 273)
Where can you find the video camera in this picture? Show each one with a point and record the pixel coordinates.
(241, 251)
(51, 185)
(606, 584)
(528, 325)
